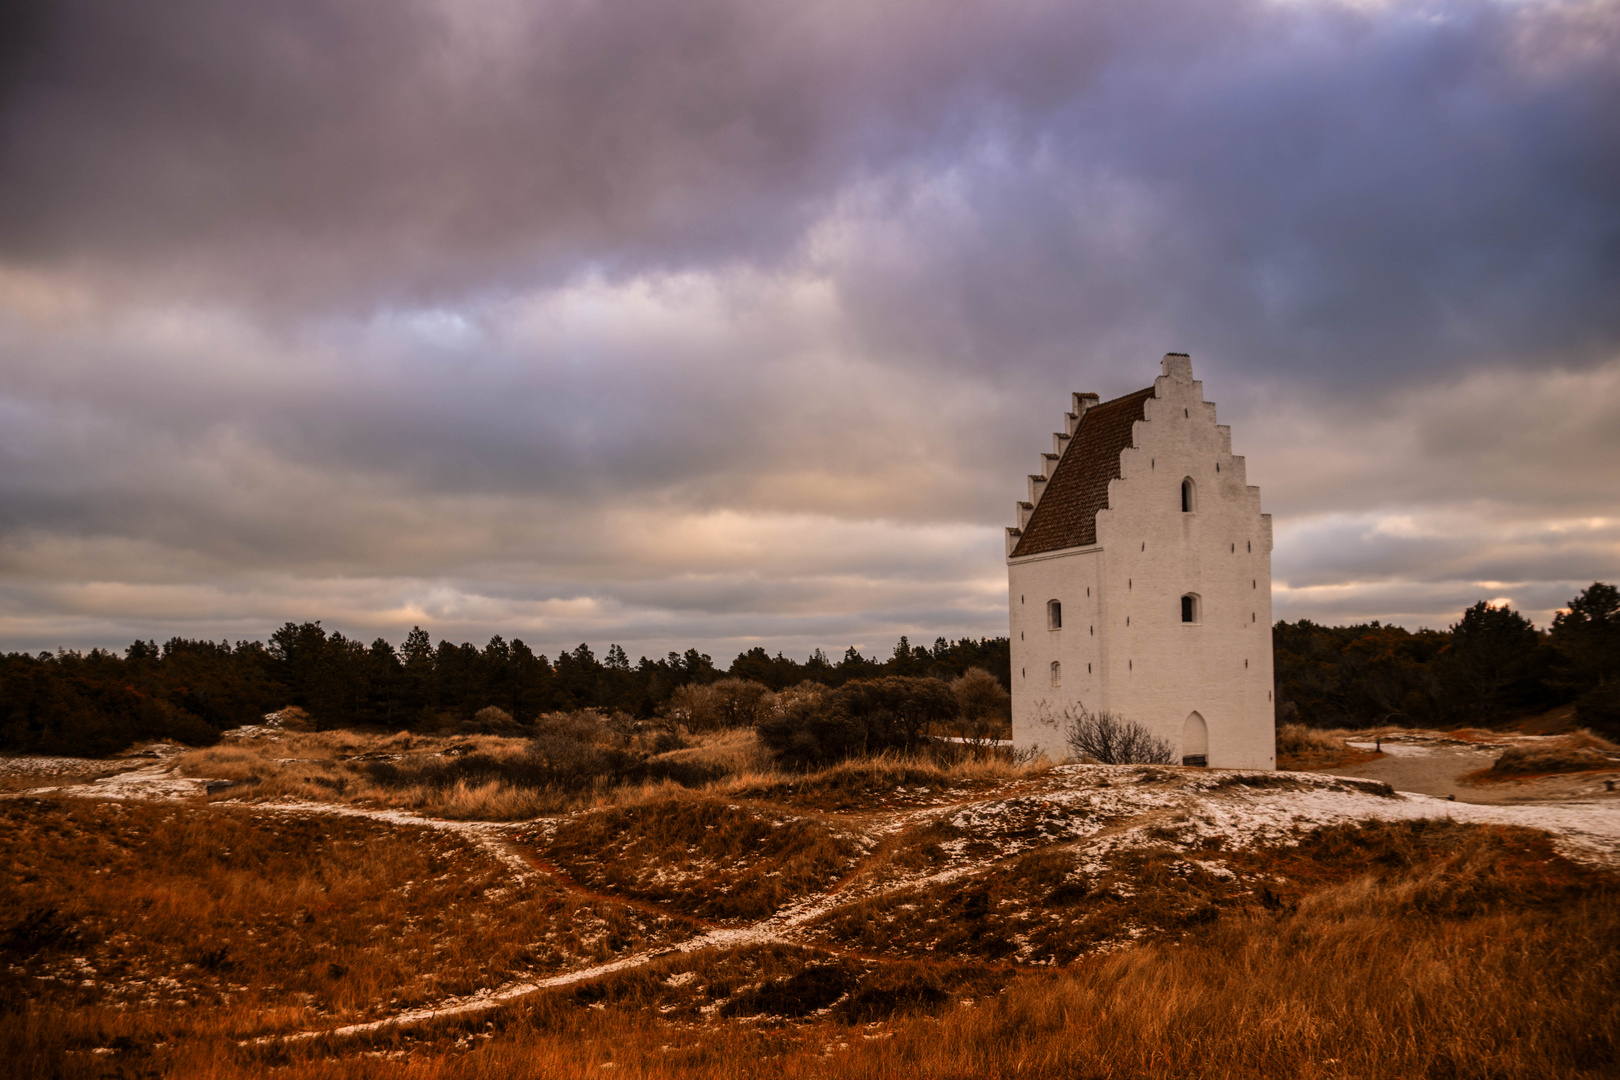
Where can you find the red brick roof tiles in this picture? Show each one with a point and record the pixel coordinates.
(1066, 516)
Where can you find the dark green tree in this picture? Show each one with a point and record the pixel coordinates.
(1489, 660)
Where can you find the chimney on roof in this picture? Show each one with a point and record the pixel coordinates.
(1178, 365)
(1082, 402)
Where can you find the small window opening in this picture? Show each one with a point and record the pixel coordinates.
(1217, 466)
(1252, 616)
(1189, 608)
(1234, 549)
(1127, 620)
(1093, 630)
(1187, 496)
(1185, 413)
(1088, 669)
(1057, 674)
(1054, 615)
(1251, 545)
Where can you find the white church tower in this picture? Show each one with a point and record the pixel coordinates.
(1140, 575)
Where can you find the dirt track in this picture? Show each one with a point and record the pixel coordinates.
(1440, 766)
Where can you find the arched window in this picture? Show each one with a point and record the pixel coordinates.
(1057, 674)
(1189, 496)
(1189, 609)
(1054, 615)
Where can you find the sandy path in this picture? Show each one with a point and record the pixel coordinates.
(1437, 767)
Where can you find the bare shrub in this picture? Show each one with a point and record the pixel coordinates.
(741, 702)
(694, 706)
(984, 708)
(720, 704)
(1110, 739)
(580, 725)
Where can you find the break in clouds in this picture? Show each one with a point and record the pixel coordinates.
(738, 323)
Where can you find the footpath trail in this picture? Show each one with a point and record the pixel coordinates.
(1095, 812)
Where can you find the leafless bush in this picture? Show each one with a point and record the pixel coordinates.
(985, 708)
(1112, 740)
(722, 704)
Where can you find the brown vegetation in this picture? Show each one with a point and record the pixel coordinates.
(574, 762)
(234, 921)
(700, 856)
(1301, 747)
(1423, 949)
(1578, 752)
(974, 939)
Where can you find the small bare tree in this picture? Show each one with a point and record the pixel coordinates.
(721, 704)
(985, 709)
(1111, 739)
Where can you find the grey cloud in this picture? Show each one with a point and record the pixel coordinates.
(488, 315)
(1311, 186)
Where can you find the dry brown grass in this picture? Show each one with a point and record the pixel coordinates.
(226, 920)
(342, 767)
(883, 782)
(1301, 748)
(349, 768)
(1578, 752)
(1424, 948)
(28, 774)
(1036, 908)
(1406, 966)
(699, 855)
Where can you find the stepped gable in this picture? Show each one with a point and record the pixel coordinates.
(1066, 515)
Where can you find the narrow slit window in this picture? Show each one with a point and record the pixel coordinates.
(1189, 608)
(1187, 496)
(1054, 615)
(1057, 674)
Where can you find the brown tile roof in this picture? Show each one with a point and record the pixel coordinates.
(1066, 516)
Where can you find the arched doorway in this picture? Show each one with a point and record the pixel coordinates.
(1195, 741)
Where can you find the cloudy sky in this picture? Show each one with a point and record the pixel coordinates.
(737, 322)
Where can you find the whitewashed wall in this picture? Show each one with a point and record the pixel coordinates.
(1123, 646)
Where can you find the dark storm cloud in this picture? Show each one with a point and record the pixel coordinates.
(1303, 185)
(729, 320)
